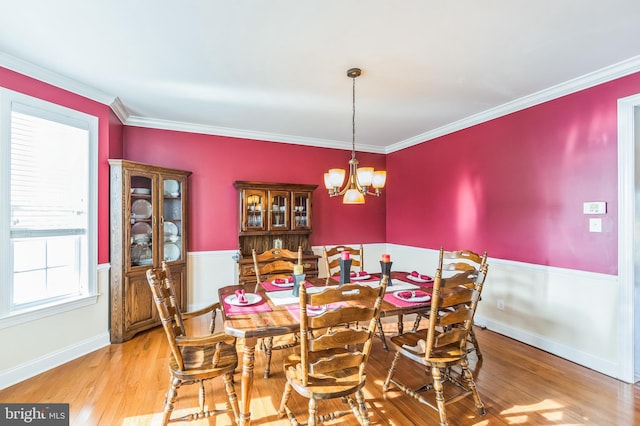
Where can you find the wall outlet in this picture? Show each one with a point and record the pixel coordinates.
(501, 304)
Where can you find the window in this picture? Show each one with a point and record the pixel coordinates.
(48, 227)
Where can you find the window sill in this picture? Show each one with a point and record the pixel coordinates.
(33, 314)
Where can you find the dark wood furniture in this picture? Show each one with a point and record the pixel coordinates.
(194, 359)
(274, 215)
(279, 322)
(148, 215)
(332, 359)
(443, 344)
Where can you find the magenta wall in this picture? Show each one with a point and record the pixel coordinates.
(23, 84)
(515, 186)
(217, 161)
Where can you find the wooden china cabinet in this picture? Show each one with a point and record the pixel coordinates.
(273, 214)
(148, 214)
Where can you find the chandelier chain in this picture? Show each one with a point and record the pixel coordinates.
(353, 119)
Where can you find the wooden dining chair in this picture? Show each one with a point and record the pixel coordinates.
(194, 359)
(271, 264)
(274, 263)
(332, 259)
(443, 344)
(332, 359)
(461, 265)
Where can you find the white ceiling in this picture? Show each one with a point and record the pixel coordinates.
(276, 70)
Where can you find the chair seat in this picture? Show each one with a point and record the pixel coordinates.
(409, 345)
(199, 362)
(342, 383)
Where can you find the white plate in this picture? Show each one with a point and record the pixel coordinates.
(418, 280)
(287, 284)
(171, 187)
(252, 299)
(170, 228)
(141, 209)
(141, 228)
(141, 238)
(141, 191)
(414, 299)
(145, 261)
(360, 277)
(171, 252)
(314, 312)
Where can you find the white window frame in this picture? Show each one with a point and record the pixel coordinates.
(9, 99)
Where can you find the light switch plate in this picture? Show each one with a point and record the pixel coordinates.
(594, 207)
(595, 224)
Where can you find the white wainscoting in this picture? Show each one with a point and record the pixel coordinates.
(40, 345)
(572, 314)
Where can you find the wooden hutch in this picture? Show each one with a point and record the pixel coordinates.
(148, 215)
(272, 215)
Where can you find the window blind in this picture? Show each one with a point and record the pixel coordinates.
(47, 198)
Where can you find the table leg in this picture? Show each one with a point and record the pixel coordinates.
(247, 380)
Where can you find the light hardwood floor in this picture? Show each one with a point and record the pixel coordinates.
(125, 384)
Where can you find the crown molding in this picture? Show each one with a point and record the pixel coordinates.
(55, 79)
(595, 78)
(586, 81)
(244, 134)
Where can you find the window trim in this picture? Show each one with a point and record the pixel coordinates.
(49, 110)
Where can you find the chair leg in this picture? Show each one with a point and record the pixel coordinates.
(472, 386)
(212, 325)
(362, 407)
(437, 386)
(474, 342)
(416, 323)
(170, 399)
(231, 395)
(201, 396)
(285, 398)
(387, 382)
(381, 335)
(268, 349)
(313, 411)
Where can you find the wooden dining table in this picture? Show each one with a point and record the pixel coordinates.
(269, 319)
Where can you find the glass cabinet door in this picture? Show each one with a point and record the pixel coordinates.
(278, 210)
(139, 204)
(253, 210)
(301, 210)
(171, 218)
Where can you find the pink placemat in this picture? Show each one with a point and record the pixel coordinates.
(389, 297)
(270, 287)
(231, 310)
(294, 310)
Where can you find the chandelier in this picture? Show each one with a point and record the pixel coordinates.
(360, 178)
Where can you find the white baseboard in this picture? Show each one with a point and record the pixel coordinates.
(571, 354)
(51, 360)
